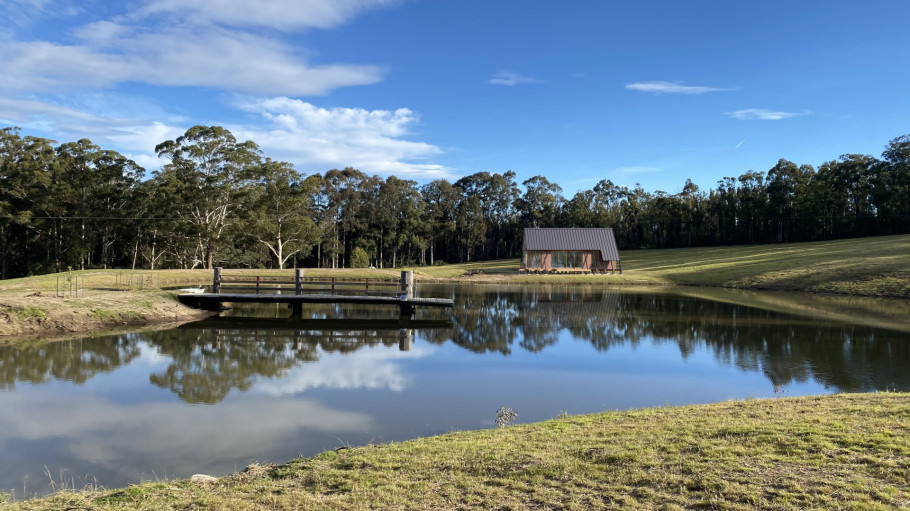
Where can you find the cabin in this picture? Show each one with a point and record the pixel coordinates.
(569, 250)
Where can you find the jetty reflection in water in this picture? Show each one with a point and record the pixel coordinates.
(216, 395)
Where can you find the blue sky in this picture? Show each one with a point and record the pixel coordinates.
(578, 91)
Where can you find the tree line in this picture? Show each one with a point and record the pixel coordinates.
(218, 201)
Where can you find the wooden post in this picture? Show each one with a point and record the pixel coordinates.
(298, 281)
(216, 283)
(407, 292)
(407, 284)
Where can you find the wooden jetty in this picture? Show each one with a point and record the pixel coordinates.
(272, 289)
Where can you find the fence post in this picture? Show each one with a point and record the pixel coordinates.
(216, 283)
(298, 281)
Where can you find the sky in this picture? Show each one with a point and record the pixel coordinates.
(649, 92)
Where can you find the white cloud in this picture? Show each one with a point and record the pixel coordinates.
(135, 137)
(310, 136)
(179, 55)
(760, 114)
(510, 78)
(279, 14)
(670, 88)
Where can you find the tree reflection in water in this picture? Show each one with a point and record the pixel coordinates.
(205, 361)
(785, 348)
(76, 361)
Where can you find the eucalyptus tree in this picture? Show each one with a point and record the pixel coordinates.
(345, 193)
(206, 173)
(890, 184)
(95, 187)
(441, 200)
(539, 205)
(280, 211)
(751, 204)
(396, 215)
(26, 203)
(786, 184)
(851, 174)
(632, 206)
(470, 225)
(722, 206)
(496, 195)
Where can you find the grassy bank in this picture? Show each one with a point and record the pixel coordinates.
(828, 452)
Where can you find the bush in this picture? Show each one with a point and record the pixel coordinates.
(359, 258)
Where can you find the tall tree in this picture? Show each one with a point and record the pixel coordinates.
(207, 170)
(280, 211)
(441, 199)
(539, 205)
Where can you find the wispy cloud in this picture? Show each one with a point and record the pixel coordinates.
(761, 114)
(176, 56)
(671, 88)
(510, 78)
(209, 43)
(278, 14)
(135, 136)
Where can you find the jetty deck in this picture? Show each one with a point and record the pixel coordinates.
(402, 297)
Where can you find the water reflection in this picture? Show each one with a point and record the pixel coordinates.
(264, 387)
(785, 348)
(209, 359)
(75, 361)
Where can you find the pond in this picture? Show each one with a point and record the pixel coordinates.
(256, 386)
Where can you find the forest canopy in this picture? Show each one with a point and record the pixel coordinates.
(218, 201)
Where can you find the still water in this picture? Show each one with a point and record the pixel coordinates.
(256, 386)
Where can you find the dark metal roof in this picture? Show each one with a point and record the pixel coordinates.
(550, 238)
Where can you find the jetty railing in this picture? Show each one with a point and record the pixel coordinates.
(402, 287)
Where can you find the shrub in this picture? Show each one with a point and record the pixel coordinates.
(359, 258)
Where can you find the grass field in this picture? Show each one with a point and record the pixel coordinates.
(864, 267)
(827, 452)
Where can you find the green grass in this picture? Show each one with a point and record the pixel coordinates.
(827, 452)
(865, 267)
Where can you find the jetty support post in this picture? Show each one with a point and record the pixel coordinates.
(407, 293)
(216, 282)
(298, 281)
(407, 284)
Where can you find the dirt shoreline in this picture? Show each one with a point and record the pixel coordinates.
(43, 316)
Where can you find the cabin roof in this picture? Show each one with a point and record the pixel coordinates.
(572, 238)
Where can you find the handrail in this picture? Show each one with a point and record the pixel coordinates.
(404, 285)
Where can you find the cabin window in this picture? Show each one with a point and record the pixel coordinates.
(568, 259)
(534, 259)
